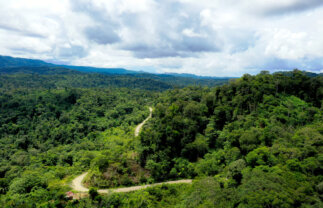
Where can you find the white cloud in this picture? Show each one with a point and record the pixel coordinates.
(206, 37)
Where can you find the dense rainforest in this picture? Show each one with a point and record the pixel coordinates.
(253, 142)
(29, 72)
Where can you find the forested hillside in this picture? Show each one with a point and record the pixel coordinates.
(78, 80)
(47, 136)
(7, 61)
(253, 142)
(256, 142)
(78, 76)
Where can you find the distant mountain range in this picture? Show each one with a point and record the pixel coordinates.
(8, 61)
(12, 62)
(89, 69)
(12, 66)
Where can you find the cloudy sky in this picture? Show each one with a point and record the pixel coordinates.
(205, 37)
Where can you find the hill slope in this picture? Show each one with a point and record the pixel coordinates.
(7, 61)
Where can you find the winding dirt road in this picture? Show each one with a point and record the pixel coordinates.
(77, 183)
(78, 186)
(138, 128)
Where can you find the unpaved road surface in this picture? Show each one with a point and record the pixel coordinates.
(138, 128)
(135, 188)
(77, 183)
(78, 186)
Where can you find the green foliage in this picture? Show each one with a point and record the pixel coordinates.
(158, 170)
(60, 79)
(47, 136)
(259, 136)
(182, 169)
(235, 170)
(255, 142)
(211, 164)
(27, 183)
(93, 193)
(207, 192)
(101, 162)
(264, 186)
(260, 156)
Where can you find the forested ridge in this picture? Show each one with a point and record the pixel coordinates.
(253, 142)
(57, 77)
(23, 72)
(62, 81)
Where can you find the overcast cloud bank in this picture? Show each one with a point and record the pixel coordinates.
(205, 37)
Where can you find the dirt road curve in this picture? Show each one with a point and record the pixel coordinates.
(137, 130)
(77, 185)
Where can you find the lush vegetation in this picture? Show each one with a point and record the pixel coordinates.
(254, 142)
(48, 136)
(259, 138)
(34, 72)
(58, 78)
